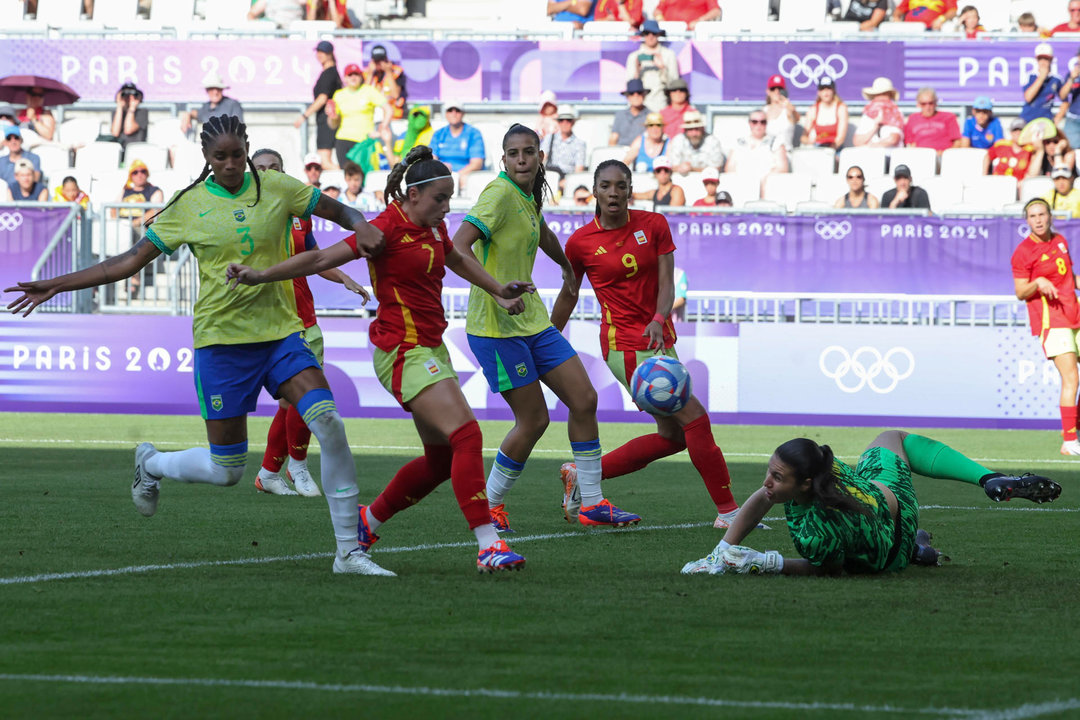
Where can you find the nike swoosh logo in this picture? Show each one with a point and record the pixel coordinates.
(204, 214)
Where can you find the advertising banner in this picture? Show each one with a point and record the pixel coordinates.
(24, 235)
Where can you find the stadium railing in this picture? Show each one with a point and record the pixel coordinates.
(66, 250)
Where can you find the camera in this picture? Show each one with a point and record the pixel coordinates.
(128, 90)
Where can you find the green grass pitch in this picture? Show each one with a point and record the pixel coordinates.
(224, 605)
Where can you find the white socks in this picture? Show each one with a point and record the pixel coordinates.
(338, 478)
(486, 536)
(193, 466)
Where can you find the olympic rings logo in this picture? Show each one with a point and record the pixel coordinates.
(832, 230)
(807, 71)
(1023, 230)
(865, 367)
(10, 221)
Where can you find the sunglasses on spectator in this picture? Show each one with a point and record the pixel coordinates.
(635, 92)
(660, 170)
(141, 171)
(581, 198)
(36, 93)
(13, 137)
(928, 103)
(854, 177)
(655, 125)
(758, 122)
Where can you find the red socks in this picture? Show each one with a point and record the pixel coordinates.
(467, 473)
(636, 454)
(276, 444)
(298, 434)
(709, 461)
(1068, 422)
(413, 482)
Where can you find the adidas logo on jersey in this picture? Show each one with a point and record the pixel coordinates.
(1045, 257)
(600, 251)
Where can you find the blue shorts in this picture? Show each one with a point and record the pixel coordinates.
(518, 361)
(228, 378)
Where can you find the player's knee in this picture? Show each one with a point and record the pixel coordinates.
(329, 428)
(583, 403)
(227, 476)
(532, 423)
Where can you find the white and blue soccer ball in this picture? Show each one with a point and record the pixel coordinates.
(660, 385)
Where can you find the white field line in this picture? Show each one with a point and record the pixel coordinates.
(415, 448)
(1020, 713)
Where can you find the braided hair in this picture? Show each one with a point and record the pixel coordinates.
(621, 166)
(807, 459)
(540, 186)
(419, 166)
(216, 127)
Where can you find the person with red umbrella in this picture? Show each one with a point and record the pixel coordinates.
(38, 94)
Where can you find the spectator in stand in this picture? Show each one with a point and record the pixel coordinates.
(216, 104)
(629, 122)
(13, 140)
(695, 149)
(355, 196)
(1064, 196)
(564, 151)
(351, 112)
(130, 120)
(868, 13)
(758, 153)
(932, 13)
(417, 132)
(827, 119)
(881, 123)
(666, 192)
(710, 178)
(904, 195)
(930, 127)
(627, 11)
(388, 78)
(780, 111)
(329, 82)
(982, 129)
(1073, 25)
(549, 108)
(282, 13)
(458, 145)
(69, 191)
(857, 196)
(1026, 23)
(969, 22)
(1051, 150)
(332, 191)
(138, 190)
(36, 119)
(25, 188)
(653, 64)
(648, 146)
(1042, 88)
(582, 196)
(313, 170)
(1070, 106)
(7, 115)
(337, 11)
(690, 12)
(578, 12)
(1008, 156)
(678, 99)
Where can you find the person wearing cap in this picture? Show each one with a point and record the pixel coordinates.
(8, 115)
(868, 13)
(216, 103)
(14, 142)
(138, 190)
(981, 129)
(1073, 23)
(418, 132)
(389, 78)
(578, 12)
(695, 149)
(629, 122)
(328, 83)
(1042, 88)
(25, 187)
(351, 113)
(655, 65)
(780, 111)
(690, 12)
(881, 123)
(856, 197)
(313, 170)
(904, 195)
(710, 178)
(1063, 196)
(549, 108)
(930, 127)
(627, 11)
(1068, 114)
(666, 192)
(564, 151)
(1008, 156)
(130, 120)
(1050, 149)
(678, 104)
(649, 145)
(827, 120)
(459, 145)
(758, 153)
(282, 13)
(932, 13)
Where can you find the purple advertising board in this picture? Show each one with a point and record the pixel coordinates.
(24, 235)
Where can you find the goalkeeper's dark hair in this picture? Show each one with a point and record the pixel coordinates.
(215, 128)
(808, 460)
(419, 166)
(621, 166)
(269, 151)
(540, 186)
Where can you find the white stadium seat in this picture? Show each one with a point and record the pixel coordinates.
(828, 188)
(742, 187)
(174, 13)
(990, 192)
(789, 189)
(156, 157)
(944, 192)
(921, 161)
(477, 181)
(815, 161)
(802, 15)
(607, 152)
(745, 15)
(121, 14)
(99, 156)
(59, 13)
(962, 163)
(870, 159)
(1035, 187)
(78, 132)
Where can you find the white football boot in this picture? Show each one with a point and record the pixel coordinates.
(1070, 447)
(272, 483)
(144, 491)
(305, 484)
(359, 562)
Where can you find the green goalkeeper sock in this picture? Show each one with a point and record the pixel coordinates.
(937, 460)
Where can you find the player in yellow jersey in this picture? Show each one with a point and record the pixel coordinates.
(244, 340)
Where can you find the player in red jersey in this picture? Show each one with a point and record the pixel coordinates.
(289, 436)
(1043, 274)
(411, 360)
(628, 258)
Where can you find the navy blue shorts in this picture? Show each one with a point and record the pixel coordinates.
(228, 378)
(518, 361)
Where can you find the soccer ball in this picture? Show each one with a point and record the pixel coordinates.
(660, 385)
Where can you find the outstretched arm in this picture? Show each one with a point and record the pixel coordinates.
(564, 305)
(305, 263)
(369, 239)
(665, 298)
(508, 296)
(109, 270)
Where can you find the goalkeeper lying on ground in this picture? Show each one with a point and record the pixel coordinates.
(859, 520)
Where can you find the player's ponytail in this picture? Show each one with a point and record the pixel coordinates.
(418, 167)
(540, 186)
(808, 460)
(622, 167)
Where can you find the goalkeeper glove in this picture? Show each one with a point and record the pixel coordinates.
(745, 560)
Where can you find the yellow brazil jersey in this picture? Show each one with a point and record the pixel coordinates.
(357, 110)
(510, 228)
(1070, 202)
(222, 228)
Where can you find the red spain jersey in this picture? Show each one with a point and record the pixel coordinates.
(622, 266)
(1033, 259)
(924, 11)
(407, 281)
(302, 240)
